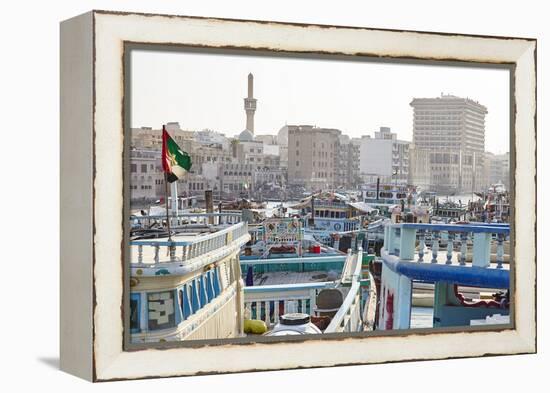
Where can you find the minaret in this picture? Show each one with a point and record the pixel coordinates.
(250, 104)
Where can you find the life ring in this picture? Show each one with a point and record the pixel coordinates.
(337, 226)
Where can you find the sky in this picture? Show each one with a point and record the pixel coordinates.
(206, 91)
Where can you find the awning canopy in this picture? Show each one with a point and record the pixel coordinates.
(362, 206)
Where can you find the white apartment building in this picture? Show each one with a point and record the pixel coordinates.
(384, 157)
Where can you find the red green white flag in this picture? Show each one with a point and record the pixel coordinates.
(175, 162)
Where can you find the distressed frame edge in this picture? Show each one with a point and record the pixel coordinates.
(530, 344)
(76, 285)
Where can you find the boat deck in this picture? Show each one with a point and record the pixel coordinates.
(287, 277)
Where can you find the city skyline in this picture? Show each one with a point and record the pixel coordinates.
(360, 98)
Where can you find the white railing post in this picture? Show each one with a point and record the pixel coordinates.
(172, 251)
(140, 253)
(463, 247)
(386, 238)
(157, 249)
(450, 240)
(312, 301)
(435, 245)
(407, 243)
(482, 249)
(500, 250)
(422, 245)
(276, 311)
(267, 318)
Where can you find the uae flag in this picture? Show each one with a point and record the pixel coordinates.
(174, 160)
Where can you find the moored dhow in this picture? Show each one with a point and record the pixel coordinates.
(188, 286)
(305, 287)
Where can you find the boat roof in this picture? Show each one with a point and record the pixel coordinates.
(362, 206)
(322, 195)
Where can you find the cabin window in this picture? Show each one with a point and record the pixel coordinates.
(135, 312)
(161, 310)
(386, 194)
(371, 194)
(401, 195)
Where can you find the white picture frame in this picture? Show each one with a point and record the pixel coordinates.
(92, 140)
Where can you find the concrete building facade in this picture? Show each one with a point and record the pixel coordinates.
(450, 130)
(347, 170)
(313, 156)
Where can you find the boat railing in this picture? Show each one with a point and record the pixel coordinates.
(348, 318)
(338, 224)
(268, 302)
(181, 219)
(408, 241)
(339, 205)
(164, 251)
(405, 260)
(334, 262)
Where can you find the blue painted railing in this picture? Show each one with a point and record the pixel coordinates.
(401, 239)
(460, 243)
(406, 258)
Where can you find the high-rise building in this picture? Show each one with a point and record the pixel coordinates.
(450, 131)
(313, 155)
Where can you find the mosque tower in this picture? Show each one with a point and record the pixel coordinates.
(250, 104)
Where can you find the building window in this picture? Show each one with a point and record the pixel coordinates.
(143, 168)
(297, 163)
(133, 168)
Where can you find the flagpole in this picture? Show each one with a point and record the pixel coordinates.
(166, 204)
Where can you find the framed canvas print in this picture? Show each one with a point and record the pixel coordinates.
(246, 195)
